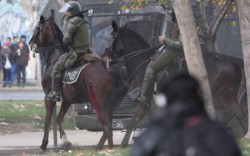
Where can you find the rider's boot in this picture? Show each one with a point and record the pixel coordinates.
(146, 89)
(54, 95)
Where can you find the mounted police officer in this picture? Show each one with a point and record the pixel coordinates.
(174, 48)
(77, 38)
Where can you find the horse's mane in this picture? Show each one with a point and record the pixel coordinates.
(58, 31)
(135, 35)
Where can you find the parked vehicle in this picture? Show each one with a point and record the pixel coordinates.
(148, 25)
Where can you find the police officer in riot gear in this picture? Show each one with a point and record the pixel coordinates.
(77, 38)
(174, 48)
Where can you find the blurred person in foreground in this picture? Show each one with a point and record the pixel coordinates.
(183, 128)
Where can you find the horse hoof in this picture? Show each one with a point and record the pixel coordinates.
(125, 145)
(67, 146)
(42, 148)
(97, 148)
(41, 151)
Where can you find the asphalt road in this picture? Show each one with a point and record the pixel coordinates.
(21, 96)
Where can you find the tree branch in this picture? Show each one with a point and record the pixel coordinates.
(201, 20)
(219, 18)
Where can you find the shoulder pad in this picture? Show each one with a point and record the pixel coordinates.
(77, 21)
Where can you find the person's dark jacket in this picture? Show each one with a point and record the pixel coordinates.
(184, 127)
(13, 48)
(23, 58)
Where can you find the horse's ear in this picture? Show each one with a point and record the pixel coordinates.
(114, 26)
(51, 17)
(42, 19)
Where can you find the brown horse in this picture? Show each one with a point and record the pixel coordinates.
(224, 74)
(94, 84)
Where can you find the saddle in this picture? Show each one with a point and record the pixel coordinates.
(71, 75)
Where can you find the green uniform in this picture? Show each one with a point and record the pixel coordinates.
(174, 48)
(77, 37)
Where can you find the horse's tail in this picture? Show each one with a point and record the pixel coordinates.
(239, 63)
(114, 98)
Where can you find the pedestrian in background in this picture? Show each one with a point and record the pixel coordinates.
(1, 63)
(23, 40)
(184, 128)
(6, 60)
(8, 41)
(13, 47)
(22, 59)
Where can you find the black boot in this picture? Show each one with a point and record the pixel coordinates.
(54, 95)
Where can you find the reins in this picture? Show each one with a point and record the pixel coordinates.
(136, 53)
(131, 55)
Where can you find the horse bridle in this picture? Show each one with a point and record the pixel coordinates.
(126, 57)
(36, 33)
(35, 38)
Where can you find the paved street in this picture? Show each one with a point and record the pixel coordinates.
(31, 141)
(22, 96)
(26, 93)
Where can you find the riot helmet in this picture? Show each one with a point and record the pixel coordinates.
(72, 6)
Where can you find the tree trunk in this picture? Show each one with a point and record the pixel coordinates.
(192, 49)
(244, 12)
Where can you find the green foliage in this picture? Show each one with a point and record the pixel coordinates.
(245, 147)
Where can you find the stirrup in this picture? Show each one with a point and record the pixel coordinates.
(54, 96)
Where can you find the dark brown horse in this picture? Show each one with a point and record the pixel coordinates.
(224, 74)
(94, 84)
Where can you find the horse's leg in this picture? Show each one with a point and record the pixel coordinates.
(49, 111)
(109, 134)
(108, 119)
(100, 144)
(233, 103)
(140, 113)
(63, 110)
(96, 105)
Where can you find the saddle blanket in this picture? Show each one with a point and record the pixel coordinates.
(71, 75)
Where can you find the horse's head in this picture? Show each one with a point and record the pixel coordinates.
(46, 33)
(125, 41)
